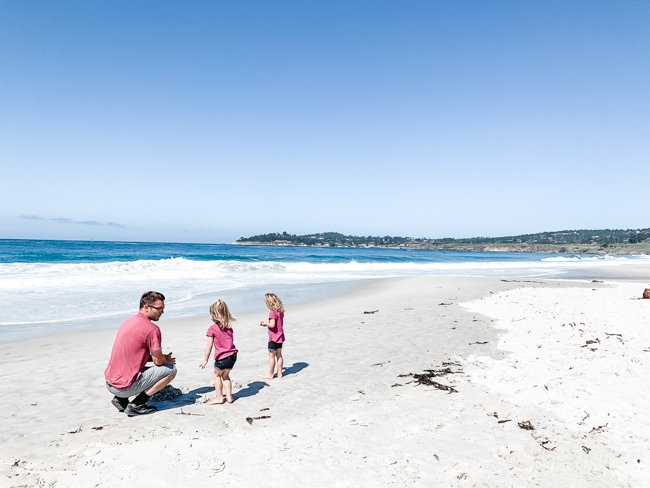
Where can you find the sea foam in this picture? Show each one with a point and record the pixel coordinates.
(99, 294)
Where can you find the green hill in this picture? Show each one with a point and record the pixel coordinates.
(611, 241)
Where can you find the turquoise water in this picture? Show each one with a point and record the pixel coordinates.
(59, 286)
(34, 251)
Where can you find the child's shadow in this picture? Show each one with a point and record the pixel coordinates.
(251, 389)
(295, 368)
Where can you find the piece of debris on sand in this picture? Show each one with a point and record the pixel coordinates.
(526, 425)
(167, 393)
(426, 378)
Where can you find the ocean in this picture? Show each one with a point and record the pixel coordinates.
(51, 287)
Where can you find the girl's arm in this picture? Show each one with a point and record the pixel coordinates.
(270, 324)
(208, 350)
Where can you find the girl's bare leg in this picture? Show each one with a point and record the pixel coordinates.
(269, 375)
(278, 354)
(218, 388)
(227, 385)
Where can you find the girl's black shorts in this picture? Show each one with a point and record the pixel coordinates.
(225, 363)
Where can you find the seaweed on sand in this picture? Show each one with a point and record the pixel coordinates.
(426, 378)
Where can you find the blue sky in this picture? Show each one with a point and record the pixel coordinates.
(206, 121)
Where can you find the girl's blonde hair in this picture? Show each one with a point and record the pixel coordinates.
(221, 315)
(273, 302)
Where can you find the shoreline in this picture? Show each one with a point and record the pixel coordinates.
(75, 293)
(348, 411)
(247, 298)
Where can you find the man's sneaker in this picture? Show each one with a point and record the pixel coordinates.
(132, 409)
(120, 403)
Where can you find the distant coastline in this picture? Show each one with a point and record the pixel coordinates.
(605, 241)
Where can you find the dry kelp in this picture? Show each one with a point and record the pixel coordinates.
(426, 378)
(526, 425)
(167, 393)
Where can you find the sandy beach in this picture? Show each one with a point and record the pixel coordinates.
(543, 385)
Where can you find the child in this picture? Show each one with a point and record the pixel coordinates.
(225, 353)
(276, 334)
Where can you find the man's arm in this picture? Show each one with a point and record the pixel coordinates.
(159, 358)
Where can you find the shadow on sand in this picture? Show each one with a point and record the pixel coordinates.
(189, 398)
(295, 368)
(253, 388)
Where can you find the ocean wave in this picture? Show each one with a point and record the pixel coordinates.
(590, 259)
(51, 293)
(21, 277)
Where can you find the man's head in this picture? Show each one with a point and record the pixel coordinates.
(152, 305)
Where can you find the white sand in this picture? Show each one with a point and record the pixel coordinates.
(338, 418)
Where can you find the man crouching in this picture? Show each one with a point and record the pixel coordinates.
(138, 341)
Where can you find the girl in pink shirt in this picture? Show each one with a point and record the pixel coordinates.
(276, 334)
(225, 354)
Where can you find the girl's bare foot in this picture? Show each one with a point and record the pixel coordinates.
(279, 375)
(229, 399)
(268, 377)
(216, 401)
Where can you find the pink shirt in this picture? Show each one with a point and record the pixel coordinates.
(136, 339)
(223, 341)
(276, 334)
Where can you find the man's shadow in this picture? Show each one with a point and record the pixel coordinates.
(295, 368)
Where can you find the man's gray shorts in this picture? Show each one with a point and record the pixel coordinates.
(149, 377)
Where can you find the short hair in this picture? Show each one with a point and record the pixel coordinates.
(273, 302)
(150, 298)
(221, 315)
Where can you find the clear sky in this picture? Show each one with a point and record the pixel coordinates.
(204, 121)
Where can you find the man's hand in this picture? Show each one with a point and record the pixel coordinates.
(159, 358)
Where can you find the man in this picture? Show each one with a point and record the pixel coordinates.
(138, 341)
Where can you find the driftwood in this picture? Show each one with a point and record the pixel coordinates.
(187, 413)
(250, 419)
